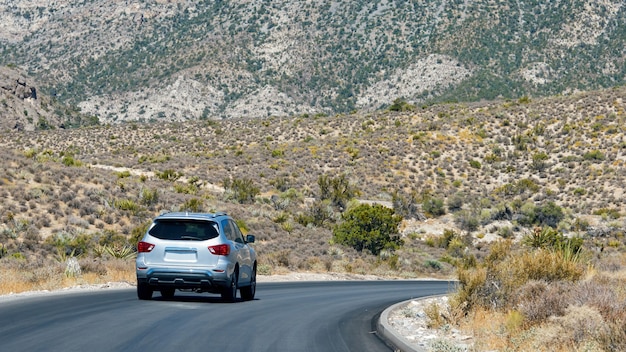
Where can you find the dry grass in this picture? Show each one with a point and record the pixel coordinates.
(19, 276)
(539, 300)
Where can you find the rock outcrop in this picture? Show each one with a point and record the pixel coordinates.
(20, 106)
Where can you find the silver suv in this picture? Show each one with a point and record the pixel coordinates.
(197, 252)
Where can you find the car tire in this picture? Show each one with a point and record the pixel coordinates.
(167, 293)
(230, 293)
(248, 292)
(144, 291)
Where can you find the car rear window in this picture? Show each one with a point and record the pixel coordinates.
(188, 230)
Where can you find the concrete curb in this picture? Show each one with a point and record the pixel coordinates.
(386, 332)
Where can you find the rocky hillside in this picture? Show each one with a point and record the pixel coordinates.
(179, 60)
(20, 106)
(23, 108)
(568, 150)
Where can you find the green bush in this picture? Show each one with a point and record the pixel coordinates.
(475, 164)
(149, 196)
(401, 105)
(169, 175)
(127, 204)
(433, 206)
(338, 190)
(369, 227)
(549, 214)
(71, 244)
(594, 155)
(194, 205)
(70, 161)
(539, 161)
(611, 213)
(241, 190)
(549, 238)
(136, 234)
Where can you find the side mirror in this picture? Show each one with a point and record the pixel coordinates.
(250, 239)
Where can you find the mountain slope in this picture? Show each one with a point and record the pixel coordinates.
(177, 60)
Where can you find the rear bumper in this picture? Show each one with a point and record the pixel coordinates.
(197, 279)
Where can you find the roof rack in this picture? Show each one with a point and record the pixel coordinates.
(219, 213)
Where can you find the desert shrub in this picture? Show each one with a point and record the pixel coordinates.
(539, 300)
(193, 205)
(119, 252)
(549, 214)
(520, 187)
(317, 214)
(467, 220)
(543, 264)
(169, 175)
(69, 160)
(456, 247)
(455, 202)
(71, 244)
(127, 205)
(369, 227)
(399, 104)
(445, 239)
(149, 196)
(137, 232)
(279, 258)
(91, 265)
(286, 198)
(594, 155)
(578, 326)
(494, 283)
(606, 293)
(434, 316)
(505, 232)
(281, 183)
(338, 189)
(187, 188)
(611, 213)
(433, 206)
(539, 161)
(433, 264)
(549, 238)
(123, 174)
(111, 238)
(406, 206)
(241, 190)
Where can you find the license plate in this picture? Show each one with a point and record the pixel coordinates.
(188, 255)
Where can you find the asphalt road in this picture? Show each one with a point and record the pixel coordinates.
(292, 317)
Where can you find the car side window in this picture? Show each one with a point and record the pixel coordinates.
(227, 230)
(238, 236)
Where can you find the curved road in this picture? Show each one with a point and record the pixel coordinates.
(296, 316)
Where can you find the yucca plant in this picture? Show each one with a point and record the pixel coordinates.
(125, 252)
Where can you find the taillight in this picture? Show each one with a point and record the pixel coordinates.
(144, 247)
(220, 249)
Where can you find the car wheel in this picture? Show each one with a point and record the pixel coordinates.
(144, 291)
(167, 292)
(247, 293)
(230, 293)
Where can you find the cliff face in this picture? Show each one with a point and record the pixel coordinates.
(20, 106)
